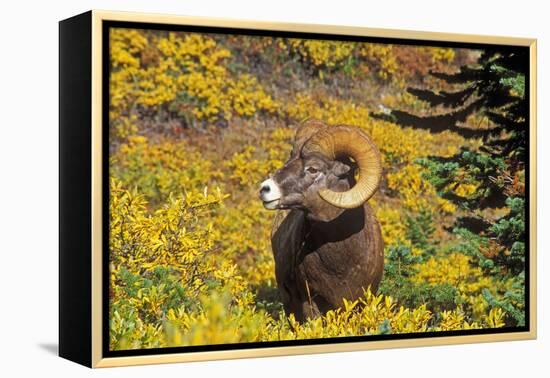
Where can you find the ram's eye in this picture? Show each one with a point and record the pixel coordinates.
(311, 170)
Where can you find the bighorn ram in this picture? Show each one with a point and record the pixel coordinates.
(328, 244)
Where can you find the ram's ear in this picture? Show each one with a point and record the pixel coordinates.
(340, 169)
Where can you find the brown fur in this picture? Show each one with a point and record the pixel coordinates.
(322, 253)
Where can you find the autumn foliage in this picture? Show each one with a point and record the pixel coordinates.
(198, 120)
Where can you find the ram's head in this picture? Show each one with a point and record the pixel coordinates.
(322, 169)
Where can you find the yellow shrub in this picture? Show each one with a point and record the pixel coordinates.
(322, 53)
(382, 56)
(189, 74)
(454, 320)
(192, 264)
(172, 236)
(457, 270)
(218, 322)
(159, 258)
(158, 169)
(251, 165)
(439, 54)
(392, 224)
(244, 237)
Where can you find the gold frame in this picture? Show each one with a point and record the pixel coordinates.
(99, 16)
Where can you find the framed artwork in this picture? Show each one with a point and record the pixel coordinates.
(235, 189)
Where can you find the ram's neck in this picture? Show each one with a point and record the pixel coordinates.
(324, 213)
(343, 224)
(320, 210)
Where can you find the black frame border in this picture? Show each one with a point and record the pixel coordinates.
(75, 194)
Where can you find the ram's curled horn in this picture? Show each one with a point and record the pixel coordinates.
(345, 141)
(307, 128)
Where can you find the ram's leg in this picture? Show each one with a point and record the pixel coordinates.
(310, 310)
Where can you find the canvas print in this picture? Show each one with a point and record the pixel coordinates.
(278, 187)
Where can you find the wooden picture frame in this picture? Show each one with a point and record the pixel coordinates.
(84, 189)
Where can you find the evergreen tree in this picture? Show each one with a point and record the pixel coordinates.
(492, 92)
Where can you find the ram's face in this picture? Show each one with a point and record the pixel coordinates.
(322, 167)
(297, 184)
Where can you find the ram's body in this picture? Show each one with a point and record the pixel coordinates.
(326, 242)
(317, 264)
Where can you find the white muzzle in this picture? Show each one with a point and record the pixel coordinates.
(270, 194)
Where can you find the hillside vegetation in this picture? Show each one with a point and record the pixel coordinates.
(197, 121)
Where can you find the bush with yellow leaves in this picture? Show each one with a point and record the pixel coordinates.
(177, 75)
(322, 54)
(190, 254)
(162, 168)
(388, 62)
